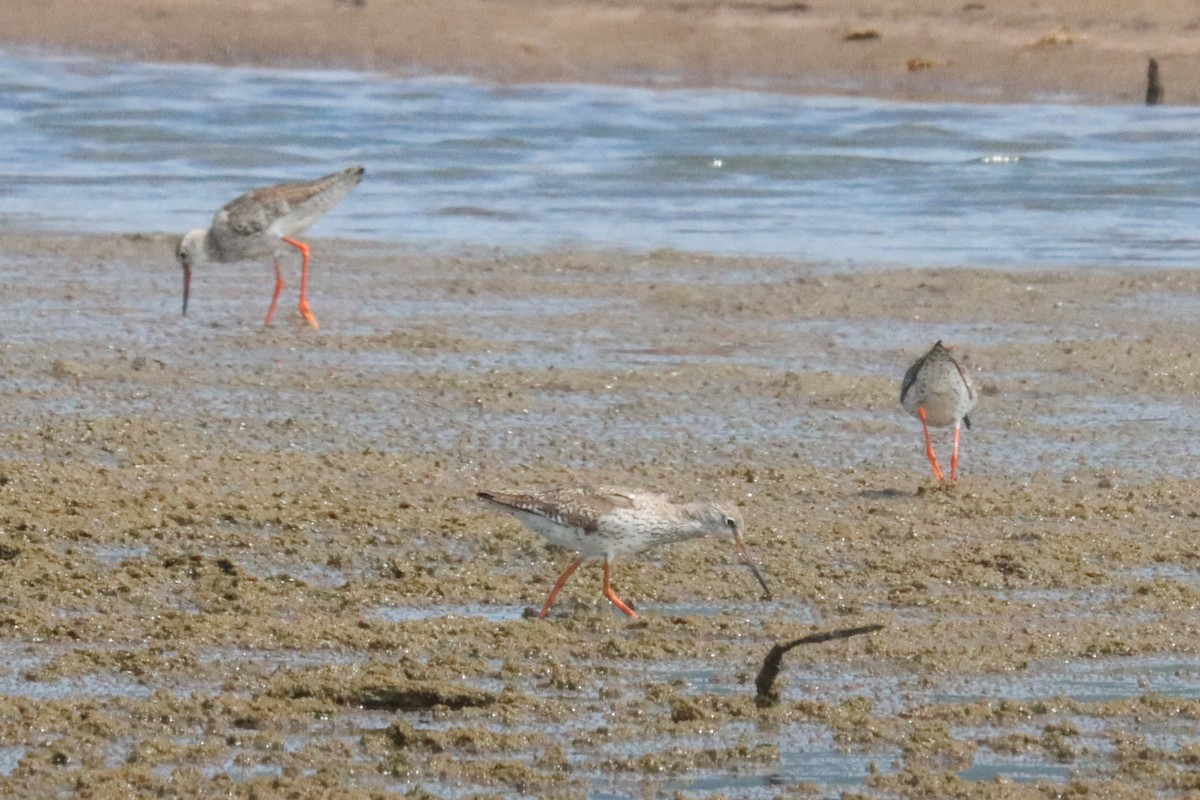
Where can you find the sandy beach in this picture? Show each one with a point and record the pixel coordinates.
(247, 561)
(1072, 50)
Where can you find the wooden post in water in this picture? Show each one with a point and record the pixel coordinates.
(1154, 89)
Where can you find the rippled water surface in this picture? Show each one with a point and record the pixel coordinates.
(420, 362)
(105, 146)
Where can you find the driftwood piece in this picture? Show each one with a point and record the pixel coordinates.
(765, 682)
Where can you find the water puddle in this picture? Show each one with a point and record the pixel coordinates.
(10, 759)
(1085, 680)
(448, 612)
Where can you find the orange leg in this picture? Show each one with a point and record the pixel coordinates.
(278, 290)
(558, 584)
(954, 458)
(933, 462)
(612, 596)
(305, 311)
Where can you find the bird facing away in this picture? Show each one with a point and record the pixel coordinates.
(936, 391)
(606, 522)
(259, 223)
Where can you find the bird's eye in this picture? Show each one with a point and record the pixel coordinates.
(731, 523)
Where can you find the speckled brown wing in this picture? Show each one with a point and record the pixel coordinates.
(257, 210)
(253, 212)
(578, 507)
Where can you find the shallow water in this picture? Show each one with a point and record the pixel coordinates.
(808, 752)
(506, 369)
(104, 146)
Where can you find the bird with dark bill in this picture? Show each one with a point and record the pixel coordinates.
(259, 223)
(606, 522)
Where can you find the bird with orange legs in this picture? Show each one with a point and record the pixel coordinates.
(259, 224)
(606, 522)
(937, 391)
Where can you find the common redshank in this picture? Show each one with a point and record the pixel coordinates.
(937, 391)
(606, 522)
(259, 223)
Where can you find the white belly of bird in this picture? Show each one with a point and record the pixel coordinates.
(568, 537)
(622, 531)
(942, 409)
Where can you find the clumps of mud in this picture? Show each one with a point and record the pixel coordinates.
(249, 561)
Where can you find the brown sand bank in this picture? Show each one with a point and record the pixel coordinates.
(973, 50)
(247, 561)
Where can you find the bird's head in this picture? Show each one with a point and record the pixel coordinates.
(189, 251)
(724, 520)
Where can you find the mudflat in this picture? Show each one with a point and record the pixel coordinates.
(249, 560)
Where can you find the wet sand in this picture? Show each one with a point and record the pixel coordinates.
(247, 560)
(967, 50)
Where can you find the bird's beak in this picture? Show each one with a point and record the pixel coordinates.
(187, 285)
(741, 548)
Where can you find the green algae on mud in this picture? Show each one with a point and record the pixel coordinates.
(207, 529)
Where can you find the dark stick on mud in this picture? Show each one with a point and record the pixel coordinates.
(765, 682)
(1154, 89)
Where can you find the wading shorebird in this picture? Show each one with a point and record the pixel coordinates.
(936, 391)
(606, 522)
(259, 223)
